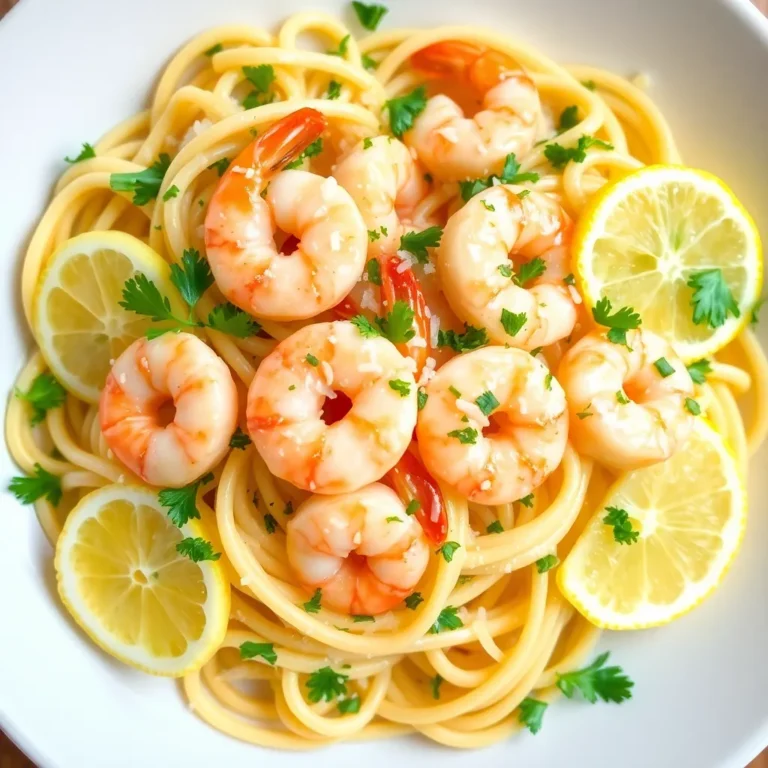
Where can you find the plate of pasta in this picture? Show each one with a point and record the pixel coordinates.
(389, 376)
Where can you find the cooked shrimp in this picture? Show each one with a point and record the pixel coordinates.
(454, 147)
(287, 395)
(477, 269)
(625, 412)
(386, 184)
(174, 368)
(240, 228)
(494, 426)
(360, 549)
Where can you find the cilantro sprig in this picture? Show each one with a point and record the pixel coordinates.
(510, 174)
(712, 299)
(597, 681)
(44, 394)
(560, 156)
(145, 184)
(403, 110)
(181, 503)
(418, 242)
(197, 549)
(41, 485)
(618, 323)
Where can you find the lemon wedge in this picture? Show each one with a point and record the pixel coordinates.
(641, 239)
(690, 512)
(76, 316)
(121, 577)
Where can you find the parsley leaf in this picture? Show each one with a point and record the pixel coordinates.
(270, 524)
(590, 85)
(368, 62)
(397, 325)
(446, 621)
(692, 406)
(505, 269)
(197, 549)
(586, 413)
(44, 394)
(326, 684)
(250, 650)
(220, 166)
(312, 360)
(403, 388)
(239, 439)
(559, 156)
(414, 600)
(699, 370)
(421, 399)
(418, 242)
(607, 683)
(313, 605)
(394, 519)
(405, 109)
(217, 48)
(86, 153)
(527, 501)
(622, 525)
(229, 319)
(414, 505)
(543, 564)
(466, 436)
(532, 713)
(495, 527)
(140, 295)
(40, 485)
(342, 49)
(510, 174)
(260, 77)
(621, 397)
(172, 191)
(472, 338)
(712, 299)
(548, 381)
(369, 15)
(569, 117)
(350, 706)
(621, 321)
(359, 618)
(193, 278)
(182, 502)
(373, 270)
(367, 329)
(487, 403)
(435, 684)
(448, 550)
(314, 149)
(334, 90)
(531, 270)
(513, 322)
(664, 367)
(145, 185)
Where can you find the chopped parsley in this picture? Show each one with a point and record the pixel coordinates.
(466, 436)
(44, 394)
(569, 117)
(487, 403)
(618, 323)
(446, 621)
(544, 564)
(495, 527)
(326, 684)
(145, 184)
(250, 650)
(421, 399)
(510, 174)
(369, 16)
(527, 501)
(513, 322)
(197, 549)
(270, 523)
(312, 360)
(472, 338)
(239, 439)
(417, 243)
(181, 503)
(618, 519)
(559, 156)
(414, 600)
(403, 388)
(664, 368)
(403, 110)
(699, 369)
(373, 270)
(414, 505)
(692, 406)
(448, 550)
(334, 90)
(314, 149)
(313, 605)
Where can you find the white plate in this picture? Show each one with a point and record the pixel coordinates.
(70, 69)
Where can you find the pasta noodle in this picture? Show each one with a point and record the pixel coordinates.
(517, 631)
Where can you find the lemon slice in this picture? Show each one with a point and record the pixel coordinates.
(640, 240)
(123, 581)
(77, 320)
(690, 512)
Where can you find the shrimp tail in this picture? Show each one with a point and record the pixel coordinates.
(282, 142)
(481, 68)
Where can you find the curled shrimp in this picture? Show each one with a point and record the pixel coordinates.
(360, 549)
(177, 369)
(494, 426)
(454, 147)
(625, 411)
(483, 246)
(288, 393)
(386, 184)
(252, 200)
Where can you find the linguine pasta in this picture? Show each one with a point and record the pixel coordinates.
(516, 632)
